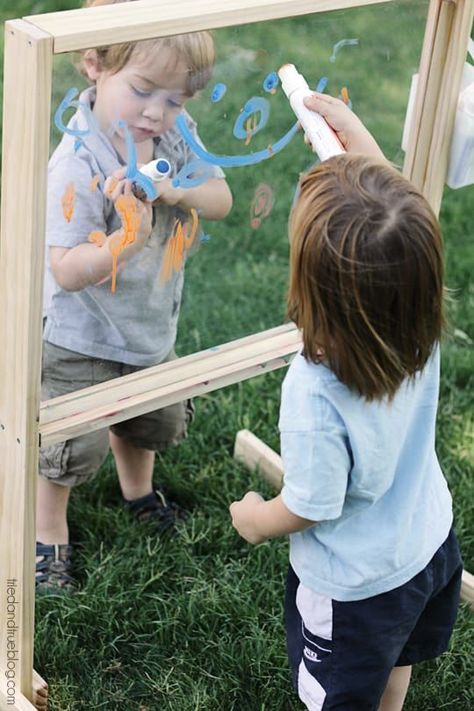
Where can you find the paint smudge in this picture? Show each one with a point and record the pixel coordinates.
(262, 205)
(179, 243)
(322, 84)
(94, 183)
(341, 43)
(271, 82)
(345, 97)
(68, 201)
(218, 92)
(98, 238)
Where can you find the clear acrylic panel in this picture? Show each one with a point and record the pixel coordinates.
(237, 268)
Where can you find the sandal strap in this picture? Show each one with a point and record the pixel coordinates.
(53, 570)
(155, 507)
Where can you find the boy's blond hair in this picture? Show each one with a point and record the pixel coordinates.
(195, 48)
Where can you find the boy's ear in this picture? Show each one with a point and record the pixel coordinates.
(92, 64)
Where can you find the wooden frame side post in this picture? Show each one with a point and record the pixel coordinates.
(27, 99)
(447, 31)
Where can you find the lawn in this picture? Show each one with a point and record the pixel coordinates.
(194, 622)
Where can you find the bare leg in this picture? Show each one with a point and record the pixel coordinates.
(51, 512)
(134, 467)
(396, 689)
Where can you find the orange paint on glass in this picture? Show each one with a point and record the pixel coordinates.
(97, 237)
(250, 126)
(94, 183)
(180, 241)
(68, 201)
(126, 206)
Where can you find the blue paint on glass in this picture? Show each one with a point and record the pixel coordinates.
(218, 92)
(254, 106)
(271, 82)
(233, 161)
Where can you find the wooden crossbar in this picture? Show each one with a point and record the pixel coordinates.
(116, 400)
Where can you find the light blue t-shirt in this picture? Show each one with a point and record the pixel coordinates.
(369, 474)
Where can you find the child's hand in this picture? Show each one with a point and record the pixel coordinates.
(168, 194)
(115, 186)
(244, 515)
(350, 130)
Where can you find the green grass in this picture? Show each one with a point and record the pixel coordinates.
(195, 622)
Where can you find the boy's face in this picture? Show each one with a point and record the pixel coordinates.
(148, 93)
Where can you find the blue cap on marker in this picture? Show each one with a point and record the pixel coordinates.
(156, 169)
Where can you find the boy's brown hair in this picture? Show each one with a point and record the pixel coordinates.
(366, 274)
(195, 48)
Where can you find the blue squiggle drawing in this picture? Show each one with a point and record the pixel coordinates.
(255, 105)
(192, 174)
(233, 161)
(65, 104)
(132, 172)
(322, 84)
(338, 45)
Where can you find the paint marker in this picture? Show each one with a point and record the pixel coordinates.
(321, 136)
(156, 170)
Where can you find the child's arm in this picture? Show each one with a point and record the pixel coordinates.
(349, 128)
(256, 519)
(213, 198)
(75, 268)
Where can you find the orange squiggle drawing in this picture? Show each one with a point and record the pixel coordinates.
(262, 204)
(126, 206)
(180, 241)
(94, 183)
(68, 201)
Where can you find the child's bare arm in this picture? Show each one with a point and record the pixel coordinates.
(349, 128)
(256, 519)
(77, 267)
(213, 198)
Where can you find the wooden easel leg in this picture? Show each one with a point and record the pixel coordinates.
(256, 455)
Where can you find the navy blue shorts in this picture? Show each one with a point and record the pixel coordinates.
(341, 653)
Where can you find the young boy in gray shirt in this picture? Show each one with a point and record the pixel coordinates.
(92, 332)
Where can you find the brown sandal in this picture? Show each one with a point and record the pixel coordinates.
(154, 507)
(52, 571)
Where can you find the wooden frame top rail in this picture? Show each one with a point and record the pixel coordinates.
(73, 30)
(102, 405)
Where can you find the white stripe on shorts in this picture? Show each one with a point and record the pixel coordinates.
(315, 611)
(310, 690)
(316, 616)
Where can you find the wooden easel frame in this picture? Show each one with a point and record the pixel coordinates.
(30, 44)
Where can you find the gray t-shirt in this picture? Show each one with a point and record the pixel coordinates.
(137, 324)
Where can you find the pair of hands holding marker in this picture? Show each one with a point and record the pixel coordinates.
(254, 518)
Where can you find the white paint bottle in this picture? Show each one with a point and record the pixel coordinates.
(321, 136)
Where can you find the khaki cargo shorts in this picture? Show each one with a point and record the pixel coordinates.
(77, 460)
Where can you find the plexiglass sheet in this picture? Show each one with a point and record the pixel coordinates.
(220, 279)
